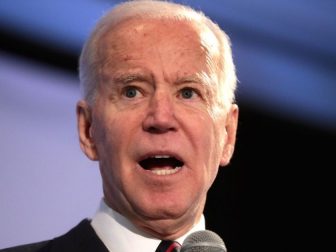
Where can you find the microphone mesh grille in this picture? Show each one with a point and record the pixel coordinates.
(204, 236)
(204, 240)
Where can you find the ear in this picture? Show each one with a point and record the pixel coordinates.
(231, 129)
(84, 127)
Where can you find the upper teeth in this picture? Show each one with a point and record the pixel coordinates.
(161, 156)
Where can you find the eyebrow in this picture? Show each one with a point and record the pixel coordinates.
(187, 79)
(126, 78)
(199, 78)
(129, 77)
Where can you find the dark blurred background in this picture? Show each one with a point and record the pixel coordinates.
(277, 193)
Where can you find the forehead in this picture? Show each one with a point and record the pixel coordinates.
(144, 33)
(139, 32)
(176, 48)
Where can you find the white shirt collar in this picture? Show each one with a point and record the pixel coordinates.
(119, 234)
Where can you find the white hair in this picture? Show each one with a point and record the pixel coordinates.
(89, 62)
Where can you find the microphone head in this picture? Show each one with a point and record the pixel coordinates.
(203, 241)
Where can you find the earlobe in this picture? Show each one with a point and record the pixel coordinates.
(227, 154)
(84, 127)
(231, 130)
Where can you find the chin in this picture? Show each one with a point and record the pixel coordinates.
(169, 213)
(165, 224)
(163, 211)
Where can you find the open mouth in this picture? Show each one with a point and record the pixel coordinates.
(161, 164)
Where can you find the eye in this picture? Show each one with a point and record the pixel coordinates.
(188, 93)
(130, 92)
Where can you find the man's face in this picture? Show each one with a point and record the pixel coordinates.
(153, 128)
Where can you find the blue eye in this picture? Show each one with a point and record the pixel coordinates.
(187, 93)
(130, 92)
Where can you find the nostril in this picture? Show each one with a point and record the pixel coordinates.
(155, 126)
(153, 130)
(160, 116)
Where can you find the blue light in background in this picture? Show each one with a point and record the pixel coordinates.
(64, 24)
(285, 50)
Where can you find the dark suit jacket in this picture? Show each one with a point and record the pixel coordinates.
(81, 238)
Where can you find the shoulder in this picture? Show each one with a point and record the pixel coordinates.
(33, 247)
(80, 238)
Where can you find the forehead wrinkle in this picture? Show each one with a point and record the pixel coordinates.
(111, 50)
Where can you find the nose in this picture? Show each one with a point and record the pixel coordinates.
(160, 115)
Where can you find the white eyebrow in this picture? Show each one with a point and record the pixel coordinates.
(200, 78)
(128, 77)
(187, 79)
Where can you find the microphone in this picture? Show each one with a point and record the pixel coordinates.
(203, 241)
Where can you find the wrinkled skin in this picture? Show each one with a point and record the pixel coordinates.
(152, 100)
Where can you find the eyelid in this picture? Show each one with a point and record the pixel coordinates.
(196, 91)
(125, 88)
(197, 87)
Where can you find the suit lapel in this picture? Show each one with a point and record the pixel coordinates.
(81, 238)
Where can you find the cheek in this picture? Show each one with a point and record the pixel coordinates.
(114, 135)
(205, 137)
(110, 142)
(209, 135)
(105, 137)
(213, 143)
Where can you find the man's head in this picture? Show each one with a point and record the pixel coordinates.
(157, 113)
